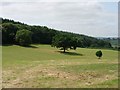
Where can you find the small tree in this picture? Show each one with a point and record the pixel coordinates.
(23, 37)
(99, 54)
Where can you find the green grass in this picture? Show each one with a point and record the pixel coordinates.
(43, 66)
(109, 84)
(100, 67)
(0, 67)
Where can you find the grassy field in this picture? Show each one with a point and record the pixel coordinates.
(0, 67)
(43, 66)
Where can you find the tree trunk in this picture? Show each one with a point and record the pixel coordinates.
(64, 50)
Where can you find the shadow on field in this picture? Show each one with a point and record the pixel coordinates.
(7, 44)
(70, 53)
(19, 45)
(30, 46)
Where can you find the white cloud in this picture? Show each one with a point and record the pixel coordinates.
(59, 0)
(81, 17)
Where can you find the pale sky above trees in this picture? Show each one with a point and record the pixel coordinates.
(90, 17)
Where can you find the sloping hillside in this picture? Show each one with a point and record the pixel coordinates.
(44, 35)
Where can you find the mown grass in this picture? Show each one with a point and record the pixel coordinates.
(43, 66)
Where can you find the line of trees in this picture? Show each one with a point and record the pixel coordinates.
(13, 31)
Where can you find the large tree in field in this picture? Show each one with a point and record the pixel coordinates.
(23, 37)
(64, 42)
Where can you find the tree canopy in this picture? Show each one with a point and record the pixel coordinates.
(64, 42)
(23, 37)
(44, 35)
(8, 33)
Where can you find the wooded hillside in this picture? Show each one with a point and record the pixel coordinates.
(44, 35)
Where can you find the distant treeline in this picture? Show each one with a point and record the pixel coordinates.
(115, 42)
(44, 35)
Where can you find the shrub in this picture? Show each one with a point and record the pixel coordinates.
(99, 54)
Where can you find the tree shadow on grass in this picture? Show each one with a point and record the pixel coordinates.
(30, 46)
(6, 45)
(70, 53)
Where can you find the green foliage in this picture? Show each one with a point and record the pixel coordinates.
(64, 41)
(8, 33)
(44, 35)
(23, 37)
(99, 54)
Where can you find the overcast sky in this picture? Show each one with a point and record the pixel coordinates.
(93, 18)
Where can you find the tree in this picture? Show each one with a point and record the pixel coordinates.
(99, 54)
(23, 37)
(8, 33)
(73, 43)
(64, 42)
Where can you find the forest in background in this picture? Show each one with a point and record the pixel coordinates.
(44, 35)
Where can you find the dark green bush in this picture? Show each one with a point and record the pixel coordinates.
(99, 54)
